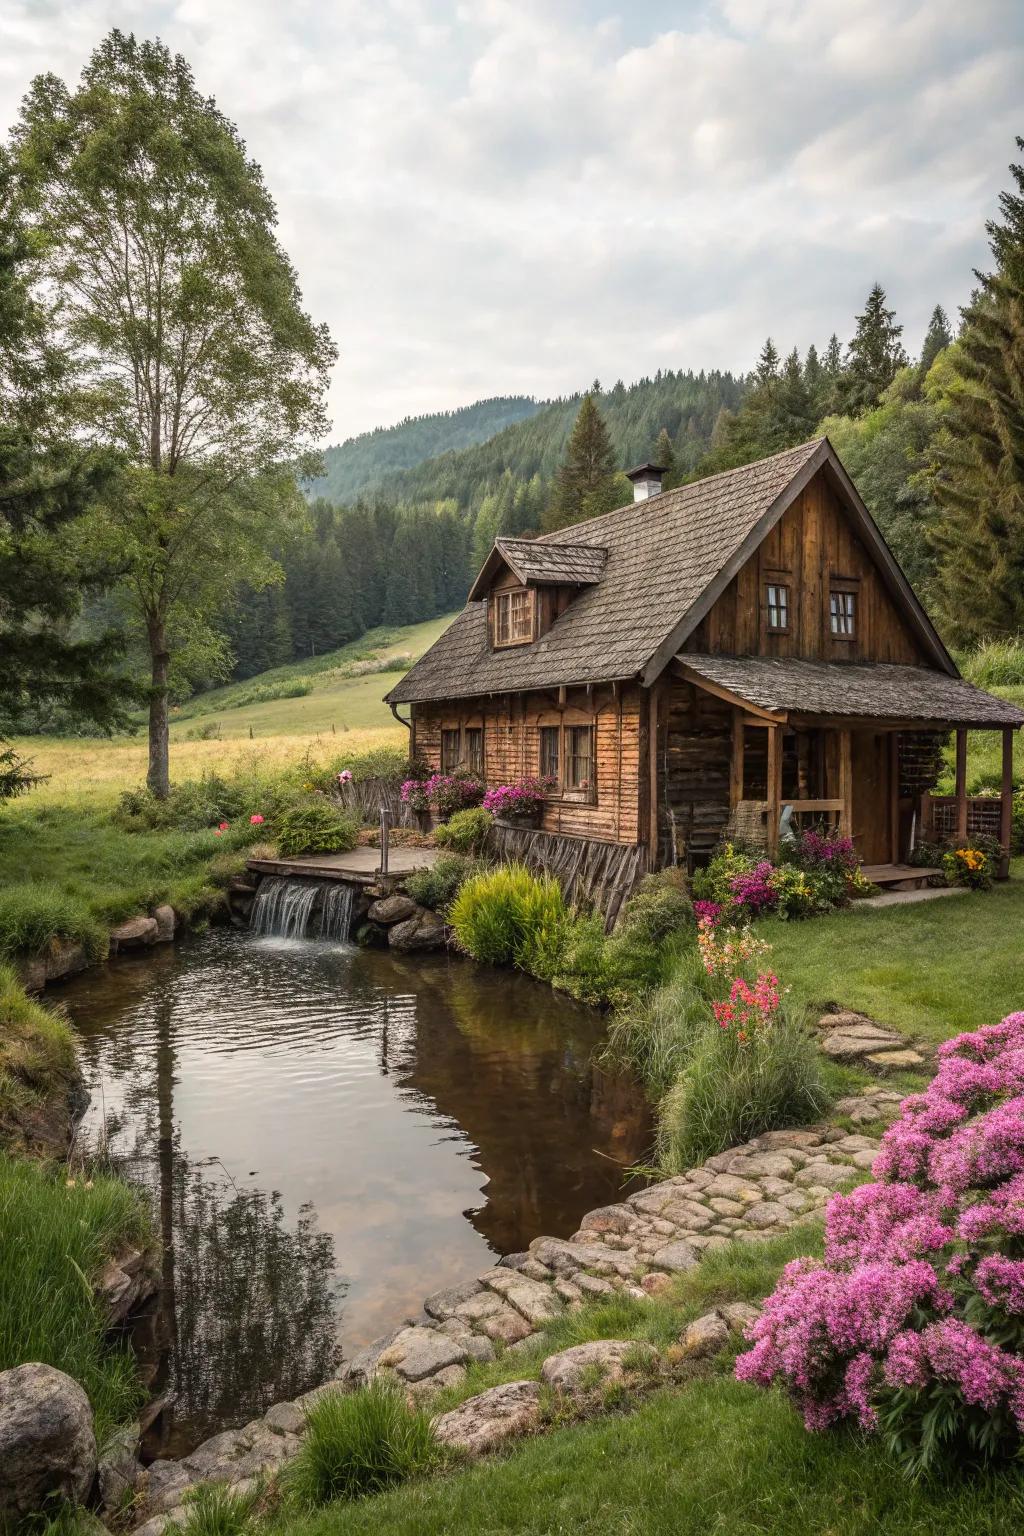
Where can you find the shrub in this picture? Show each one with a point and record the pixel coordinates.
(379, 763)
(466, 832)
(968, 866)
(995, 664)
(714, 882)
(444, 793)
(313, 825)
(437, 886)
(543, 919)
(493, 915)
(359, 1443)
(657, 909)
(734, 1088)
(914, 1325)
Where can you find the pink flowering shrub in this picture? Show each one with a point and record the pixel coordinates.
(443, 793)
(524, 797)
(914, 1324)
(749, 1007)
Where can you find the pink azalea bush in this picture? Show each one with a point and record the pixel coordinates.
(443, 793)
(521, 798)
(914, 1324)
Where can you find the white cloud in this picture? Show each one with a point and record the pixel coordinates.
(501, 195)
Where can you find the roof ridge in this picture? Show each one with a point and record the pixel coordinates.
(738, 469)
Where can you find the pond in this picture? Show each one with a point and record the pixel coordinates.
(329, 1134)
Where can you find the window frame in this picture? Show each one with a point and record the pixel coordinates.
(502, 602)
(545, 771)
(848, 616)
(586, 792)
(474, 766)
(775, 585)
(447, 732)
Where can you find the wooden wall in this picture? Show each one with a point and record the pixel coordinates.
(812, 546)
(511, 726)
(694, 759)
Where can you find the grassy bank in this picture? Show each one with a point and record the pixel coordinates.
(37, 1069)
(56, 1236)
(931, 969)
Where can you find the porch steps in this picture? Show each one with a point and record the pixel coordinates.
(898, 877)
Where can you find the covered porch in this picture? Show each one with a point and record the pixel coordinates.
(856, 747)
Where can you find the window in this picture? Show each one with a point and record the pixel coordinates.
(549, 755)
(579, 761)
(841, 609)
(513, 617)
(474, 744)
(778, 607)
(450, 749)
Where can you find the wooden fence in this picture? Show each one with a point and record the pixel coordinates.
(602, 874)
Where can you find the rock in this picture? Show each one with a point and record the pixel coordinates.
(424, 931)
(47, 1443)
(285, 1419)
(422, 1391)
(532, 1269)
(133, 933)
(536, 1301)
(844, 1018)
(769, 1213)
(893, 1061)
(825, 1176)
(850, 1045)
(166, 923)
(483, 1422)
(392, 909)
(705, 1336)
(739, 1313)
(159, 1523)
(125, 1281)
(687, 1213)
(565, 1370)
(592, 1285)
(119, 1470)
(475, 1345)
(609, 1218)
(674, 1257)
(444, 1304)
(565, 1258)
(418, 1352)
(656, 1282)
(62, 957)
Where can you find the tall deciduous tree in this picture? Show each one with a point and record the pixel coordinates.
(47, 487)
(183, 319)
(875, 354)
(978, 480)
(587, 480)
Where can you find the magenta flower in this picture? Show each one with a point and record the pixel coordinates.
(256, 821)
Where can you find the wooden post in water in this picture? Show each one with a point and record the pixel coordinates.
(385, 838)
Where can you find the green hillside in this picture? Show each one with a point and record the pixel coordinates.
(686, 405)
(364, 463)
(339, 691)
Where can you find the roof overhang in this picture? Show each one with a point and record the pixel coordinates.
(789, 690)
(824, 457)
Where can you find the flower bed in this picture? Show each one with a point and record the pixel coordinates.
(914, 1325)
(818, 872)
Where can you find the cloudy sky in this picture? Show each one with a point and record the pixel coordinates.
(505, 196)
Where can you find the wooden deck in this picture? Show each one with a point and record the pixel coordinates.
(901, 877)
(360, 867)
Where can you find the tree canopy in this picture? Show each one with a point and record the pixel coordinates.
(587, 482)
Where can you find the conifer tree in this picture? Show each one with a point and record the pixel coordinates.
(586, 482)
(665, 455)
(875, 354)
(814, 380)
(937, 338)
(795, 415)
(978, 479)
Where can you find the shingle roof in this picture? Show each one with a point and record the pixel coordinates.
(662, 555)
(878, 692)
(538, 561)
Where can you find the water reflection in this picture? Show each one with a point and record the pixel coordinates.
(330, 1133)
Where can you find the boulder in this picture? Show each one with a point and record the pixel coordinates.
(47, 1443)
(166, 923)
(565, 1370)
(674, 1257)
(481, 1423)
(705, 1336)
(414, 1353)
(134, 933)
(392, 909)
(119, 1471)
(126, 1281)
(424, 931)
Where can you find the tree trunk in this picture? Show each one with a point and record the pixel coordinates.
(158, 776)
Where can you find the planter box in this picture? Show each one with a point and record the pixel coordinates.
(530, 820)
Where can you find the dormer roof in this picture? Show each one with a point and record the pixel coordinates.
(538, 563)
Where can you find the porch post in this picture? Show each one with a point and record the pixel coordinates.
(961, 785)
(846, 783)
(652, 776)
(894, 797)
(774, 787)
(736, 769)
(1006, 808)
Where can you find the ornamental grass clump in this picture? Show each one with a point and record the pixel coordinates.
(359, 1443)
(914, 1325)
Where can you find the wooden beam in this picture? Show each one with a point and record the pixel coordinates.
(1006, 809)
(894, 798)
(736, 766)
(846, 782)
(770, 717)
(961, 785)
(652, 769)
(774, 787)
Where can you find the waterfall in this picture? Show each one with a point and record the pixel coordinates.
(282, 908)
(336, 911)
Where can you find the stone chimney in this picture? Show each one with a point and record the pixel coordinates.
(646, 480)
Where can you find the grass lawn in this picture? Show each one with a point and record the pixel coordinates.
(930, 969)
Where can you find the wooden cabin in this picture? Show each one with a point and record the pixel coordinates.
(724, 659)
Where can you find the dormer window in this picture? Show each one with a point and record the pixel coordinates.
(513, 616)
